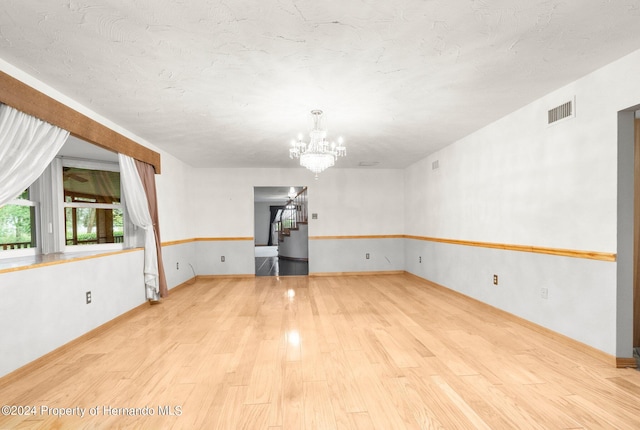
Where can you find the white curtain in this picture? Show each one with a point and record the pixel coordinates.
(27, 146)
(138, 210)
(49, 188)
(133, 236)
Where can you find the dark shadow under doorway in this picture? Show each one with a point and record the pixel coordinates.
(269, 264)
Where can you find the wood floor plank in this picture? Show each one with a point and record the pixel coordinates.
(514, 410)
(462, 407)
(252, 417)
(293, 397)
(311, 357)
(451, 358)
(345, 395)
(414, 406)
(378, 400)
(359, 421)
(401, 354)
(263, 377)
(601, 417)
(231, 409)
(355, 352)
(318, 411)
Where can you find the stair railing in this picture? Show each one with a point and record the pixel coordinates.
(294, 213)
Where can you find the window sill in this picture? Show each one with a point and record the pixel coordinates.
(34, 261)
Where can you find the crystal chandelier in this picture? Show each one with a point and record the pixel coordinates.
(319, 154)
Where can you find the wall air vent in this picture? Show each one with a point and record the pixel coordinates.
(564, 111)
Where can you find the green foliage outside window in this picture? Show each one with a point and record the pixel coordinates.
(86, 225)
(16, 223)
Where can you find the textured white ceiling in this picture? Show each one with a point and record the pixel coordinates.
(230, 82)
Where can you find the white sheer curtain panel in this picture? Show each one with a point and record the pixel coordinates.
(27, 146)
(138, 210)
(133, 235)
(49, 188)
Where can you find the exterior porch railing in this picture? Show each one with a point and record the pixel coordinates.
(16, 245)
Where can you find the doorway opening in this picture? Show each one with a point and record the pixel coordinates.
(628, 239)
(281, 237)
(636, 238)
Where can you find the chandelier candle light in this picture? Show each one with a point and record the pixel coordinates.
(319, 154)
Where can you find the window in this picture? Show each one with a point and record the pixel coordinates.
(93, 212)
(18, 225)
(74, 206)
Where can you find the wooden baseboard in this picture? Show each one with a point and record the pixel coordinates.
(20, 372)
(582, 347)
(186, 283)
(225, 276)
(387, 272)
(626, 362)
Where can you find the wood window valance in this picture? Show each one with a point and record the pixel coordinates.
(21, 96)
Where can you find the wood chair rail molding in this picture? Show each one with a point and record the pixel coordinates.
(590, 255)
(55, 259)
(21, 96)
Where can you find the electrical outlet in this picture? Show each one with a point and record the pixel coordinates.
(495, 279)
(367, 256)
(544, 293)
(88, 296)
(177, 266)
(420, 259)
(222, 258)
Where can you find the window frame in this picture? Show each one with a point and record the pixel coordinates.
(32, 251)
(90, 165)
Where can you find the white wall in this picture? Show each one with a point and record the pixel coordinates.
(519, 181)
(261, 226)
(174, 206)
(347, 201)
(581, 301)
(515, 181)
(357, 202)
(180, 263)
(350, 255)
(44, 308)
(174, 209)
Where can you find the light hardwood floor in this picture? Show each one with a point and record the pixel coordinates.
(355, 352)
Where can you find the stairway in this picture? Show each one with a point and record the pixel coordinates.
(291, 225)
